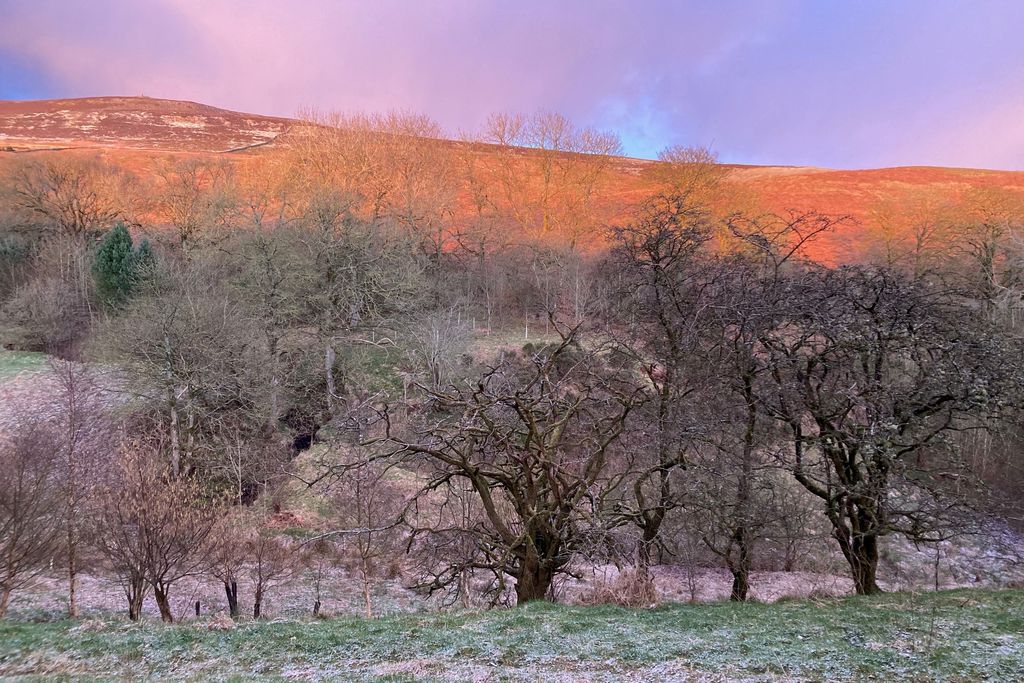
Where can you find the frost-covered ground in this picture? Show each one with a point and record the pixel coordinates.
(30, 391)
(961, 635)
(14, 363)
(341, 591)
(100, 595)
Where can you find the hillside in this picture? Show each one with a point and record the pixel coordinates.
(132, 123)
(136, 130)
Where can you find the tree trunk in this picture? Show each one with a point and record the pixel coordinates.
(740, 586)
(789, 560)
(175, 439)
(163, 601)
(741, 574)
(654, 517)
(366, 588)
(257, 604)
(366, 599)
(644, 577)
(643, 553)
(864, 564)
(188, 452)
(72, 572)
(69, 379)
(135, 592)
(464, 600)
(231, 591)
(274, 413)
(742, 534)
(318, 578)
(329, 376)
(172, 408)
(5, 600)
(861, 553)
(72, 529)
(533, 581)
(740, 568)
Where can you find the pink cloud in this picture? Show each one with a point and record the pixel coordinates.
(789, 81)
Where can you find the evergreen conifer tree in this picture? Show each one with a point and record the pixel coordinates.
(115, 268)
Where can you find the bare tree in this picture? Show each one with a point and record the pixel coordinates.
(548, 172)
(195, 196)
(31, 509)
(228, 550)
(420, 168)
(269, 264)
(154, 526)
(733, 489)
(870, 373)
(366, 500)
(264, 191)
(53, 308)
(76, 196)
(241, 460)
(361, 277)
(194, 355)
(690, 172)
(910, 232)
(83, 436)
(730, 497)
(986, 236)
(391, 167)
(438, 344)
(534, 440)
(319, 557)
(657, 317)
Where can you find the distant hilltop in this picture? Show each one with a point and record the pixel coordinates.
(143, 123)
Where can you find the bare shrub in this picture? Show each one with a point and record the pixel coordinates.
(630, 588)
(49, 310)
(272, 560)
(366, 501)
(227, 556)
(220, 622)
(439, 341)
(318, 559)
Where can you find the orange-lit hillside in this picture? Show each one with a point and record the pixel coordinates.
(137, 132)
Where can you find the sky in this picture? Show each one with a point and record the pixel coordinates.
(830, 83)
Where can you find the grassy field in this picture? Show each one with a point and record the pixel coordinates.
(963, 635)
(15, 362)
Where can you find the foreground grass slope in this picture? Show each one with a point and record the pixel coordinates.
(962, 635)
(14, 362)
